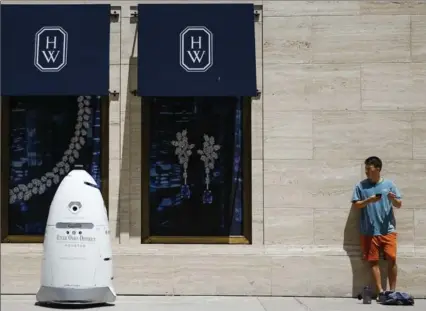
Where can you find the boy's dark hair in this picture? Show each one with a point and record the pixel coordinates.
(374, 161)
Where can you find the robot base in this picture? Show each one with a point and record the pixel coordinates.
(60, 295)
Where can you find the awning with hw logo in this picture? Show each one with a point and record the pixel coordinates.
(55, 49)
(196, 50)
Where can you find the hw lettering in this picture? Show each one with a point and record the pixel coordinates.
(196, 52)
(51, 49)
(196, 49)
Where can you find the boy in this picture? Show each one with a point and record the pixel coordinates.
(376, 196)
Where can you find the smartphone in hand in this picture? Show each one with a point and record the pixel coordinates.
(378, 195)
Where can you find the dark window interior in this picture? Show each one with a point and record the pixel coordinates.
(46, 137)
(189, 196)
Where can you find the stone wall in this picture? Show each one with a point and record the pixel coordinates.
(340, 81)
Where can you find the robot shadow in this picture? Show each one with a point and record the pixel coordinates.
(73, 306)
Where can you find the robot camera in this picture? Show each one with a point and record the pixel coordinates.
(74, 207)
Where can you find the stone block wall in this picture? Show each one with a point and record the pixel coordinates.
(340, 81)
(343, 80)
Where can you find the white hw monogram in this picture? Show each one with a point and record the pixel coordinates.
(196, 49)
(51, 49)
(195, 52)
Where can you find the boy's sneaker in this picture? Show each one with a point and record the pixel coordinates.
(381, 297)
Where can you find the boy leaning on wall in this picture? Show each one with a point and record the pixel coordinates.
(376, 197)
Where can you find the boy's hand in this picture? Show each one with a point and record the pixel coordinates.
(373, 199)
(391, 195)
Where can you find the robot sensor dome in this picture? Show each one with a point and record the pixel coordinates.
(74, 207)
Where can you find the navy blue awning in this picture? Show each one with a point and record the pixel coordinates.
(55, 49)
(196, 50)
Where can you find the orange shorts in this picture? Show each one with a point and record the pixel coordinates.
(371, 246)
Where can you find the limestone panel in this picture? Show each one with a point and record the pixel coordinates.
(336, 226)
(289, 226)
(410, 178)
(312, 87)
(287, 40)
(338, 275)
(20, 274)
(129, 83)
(257, 129)
(113, 221)
(114, 142)
(318, 276)
(309, 8)
(308, 183)
(116, 24)
(214, 270)
(133, 274)
(257, 202)
(222, 275)
(135, 161)
(114, 111)
(287, 135)
(114, 85)
(412, 274)
(356, 39)
(357, 135)
(135, 225)
(334, 87)
(258, 32)
(399, 7)
(419, 135)
(285, 87)
(125, 141)
(418, 38)
(138, 274)
(115, 48)
(113, 188)
(129, 40)
(115, 235)
(114, 82)
(404, 226)
(135, 141)
(420, 227)
(135, 184)
(394, 86)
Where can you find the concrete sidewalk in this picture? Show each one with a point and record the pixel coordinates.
(199, 303)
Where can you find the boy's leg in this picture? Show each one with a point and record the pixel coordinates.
(370, 249)
(390, 247)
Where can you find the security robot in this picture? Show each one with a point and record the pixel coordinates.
(77, 259)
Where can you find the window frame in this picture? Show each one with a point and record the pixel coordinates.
(246, 237)
(5, 169)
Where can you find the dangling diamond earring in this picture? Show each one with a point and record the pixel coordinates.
(208, 156)
(183, 152)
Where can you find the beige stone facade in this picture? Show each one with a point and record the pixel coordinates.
(340, 81)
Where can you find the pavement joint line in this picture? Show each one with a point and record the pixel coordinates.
(302, 304)
(258, 299)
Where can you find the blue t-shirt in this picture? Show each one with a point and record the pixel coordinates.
(376, 218)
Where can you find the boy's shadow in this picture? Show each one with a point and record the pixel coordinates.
(361, 272)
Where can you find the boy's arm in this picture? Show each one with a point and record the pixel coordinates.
(357, 199)
(395, 196)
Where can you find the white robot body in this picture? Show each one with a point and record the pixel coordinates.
(77, 260)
